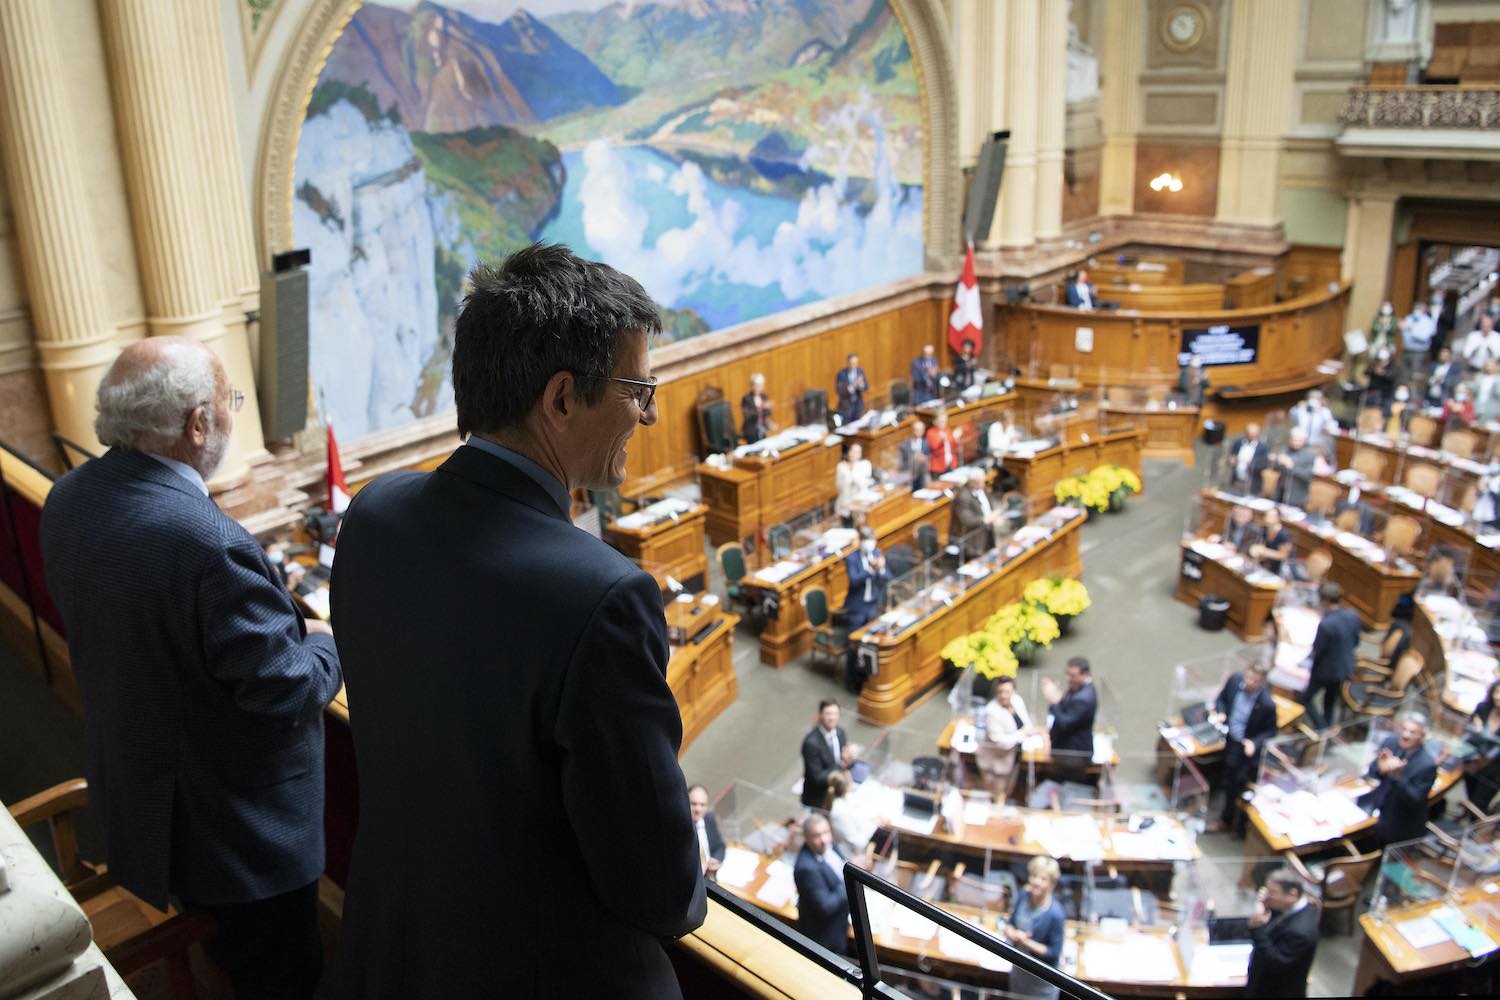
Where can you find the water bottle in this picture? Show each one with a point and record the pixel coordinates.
(1380, 908)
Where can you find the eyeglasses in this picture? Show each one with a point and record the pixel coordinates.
(644, 393)
(236, 400)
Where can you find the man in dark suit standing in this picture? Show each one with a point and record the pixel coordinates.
(822, 905)
(851, 386)
(755, 411)
(711, 849)
(1247, 459)
(867, 579)
(1405, 772)
(1332, 653)
(1248, 712)
(822, 749)
(1073, 712)
(1284, 938)
(914, 456)
(507, 673)
(203, 690)
(924, 376)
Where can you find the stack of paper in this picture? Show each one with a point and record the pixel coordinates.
(1468, 937)
(976, 812)
(961, 949)
(779, 888)
(1140, 958)
(1422, 932)
(738, 867)
(779, 571)
(1220, 963)
(913, 925)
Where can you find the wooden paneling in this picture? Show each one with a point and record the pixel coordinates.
(1166, 298)
(1198, 166)
(1251, 289)
(1141, 349)
(1305, 269)
(886, 345)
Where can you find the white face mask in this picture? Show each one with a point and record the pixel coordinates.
(275, 557)
(868, 546)
(1386, 310)
(1402, 395)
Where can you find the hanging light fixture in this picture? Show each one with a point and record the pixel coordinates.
(1166, 182)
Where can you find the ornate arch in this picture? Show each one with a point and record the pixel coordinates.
(927, 36)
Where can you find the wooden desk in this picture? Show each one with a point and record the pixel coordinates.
(669, 547)
(1464, 688)
(1184, 746)
(1140, 271)
(895, 521)
(1169, 432)
(881, 445)
(701, 671)
(1385, 956)
(1164, 298)
(1261, 843)
(759, 491)
(1142, 348)
(1250, 603)
(1251, 289)
(910, 661)
(1371, 588)
(1039, 473)
(1396, 457)
(1036, 758)
(927, 954)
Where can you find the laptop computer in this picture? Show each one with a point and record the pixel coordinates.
(1227, 930)
(1195, 719)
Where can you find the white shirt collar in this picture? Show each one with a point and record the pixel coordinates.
(184, 470)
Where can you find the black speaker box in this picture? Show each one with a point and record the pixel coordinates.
(281, 382)
(984, 190)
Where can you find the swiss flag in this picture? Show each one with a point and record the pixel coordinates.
(338, 490)
(966, 321)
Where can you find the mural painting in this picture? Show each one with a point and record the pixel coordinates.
(739, 157)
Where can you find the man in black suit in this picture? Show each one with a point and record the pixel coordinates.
(1073, 712)
(706, 829)
(755, 411)
(203, 690)
(822, 904)
(507, 673)
(851, 386)
(1247, 459)
(1247, 711)
(822, 749)
(924, 376)
(1284, 938)
(1405, 772)
(972, 518)
(1332, 657)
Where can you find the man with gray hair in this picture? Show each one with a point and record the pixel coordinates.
(822, 904)
(203, 690)
(1405, 772)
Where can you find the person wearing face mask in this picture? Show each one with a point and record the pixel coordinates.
(1481, 345)
(1459, 410)
(867, 580)
(1487, 392)
(1400, 411)
(1383, 328)
(1443, 378)
(1487, 498)
(1417, 331)
(1380, 378)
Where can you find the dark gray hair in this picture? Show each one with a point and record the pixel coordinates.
(145, 408)
(541, 312)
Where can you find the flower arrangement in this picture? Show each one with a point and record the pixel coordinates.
(1058, 596)
(1019, 622)
(988, 655)
(1103, 488)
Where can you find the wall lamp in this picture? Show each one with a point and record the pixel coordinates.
(1166, 182)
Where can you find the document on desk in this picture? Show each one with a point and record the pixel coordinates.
(1422, 932)
(1139, 958)
(1468, 937)
(976, 813)
(738, 867)
(960, 948)
(777, 572)
(777, 890)
(1218, 963)
(913, 925)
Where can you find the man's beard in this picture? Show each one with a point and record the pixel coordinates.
(214, 450)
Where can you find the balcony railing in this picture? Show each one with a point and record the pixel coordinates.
(867, 975)
(1422, 107)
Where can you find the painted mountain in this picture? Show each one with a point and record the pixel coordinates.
(445, 71)
(738, 157)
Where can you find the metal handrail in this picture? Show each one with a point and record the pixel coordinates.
(857, 880)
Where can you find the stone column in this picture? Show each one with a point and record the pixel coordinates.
(1018, 188)
(1052, 115)
(155, 112)
(1121, 55)
(1367, 253)
(1258, 93)
(45, 183)
(226, 202)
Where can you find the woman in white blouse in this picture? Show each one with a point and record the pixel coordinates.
(852, 476)
(1006, 724)
(853, 827)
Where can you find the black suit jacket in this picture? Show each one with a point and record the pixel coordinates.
(818, 762)
(1333, 647)
(1282, 954)
(516, 742)
(203, 695)
(1073, 721)
(1260, 458)
(1261, 726)
(822, 905)
(715, 838)
(1402, 798)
